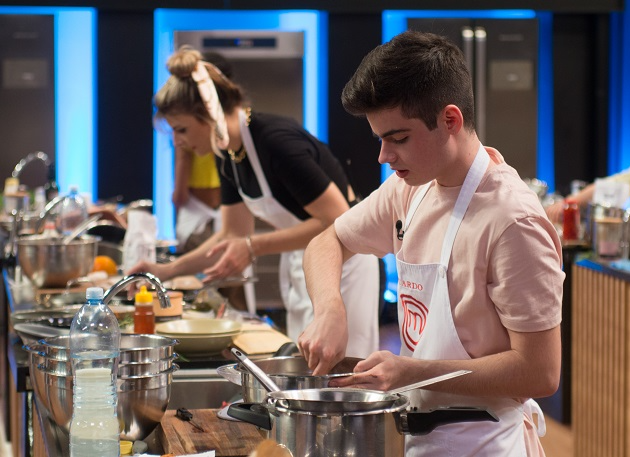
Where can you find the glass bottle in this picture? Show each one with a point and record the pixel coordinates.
(571, 220)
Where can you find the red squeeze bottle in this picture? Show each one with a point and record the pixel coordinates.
(571, 220)
(143, 316)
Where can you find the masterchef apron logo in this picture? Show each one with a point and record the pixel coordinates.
(410, 285)
(414, 320)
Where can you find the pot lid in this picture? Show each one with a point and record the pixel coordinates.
(336, 400)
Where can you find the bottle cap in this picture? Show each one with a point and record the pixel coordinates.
(570, 200)
(94, 293)
(144, 296)
(125, 447)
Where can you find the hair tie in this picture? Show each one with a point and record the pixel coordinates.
(208, 93)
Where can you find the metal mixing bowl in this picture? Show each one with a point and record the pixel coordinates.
(144, 380)
(49, 263)
(134, 348)
(142, 401)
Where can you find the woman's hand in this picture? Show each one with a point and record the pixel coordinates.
(233, 256)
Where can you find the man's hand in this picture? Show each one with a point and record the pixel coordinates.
(323, 343)
(382, 370)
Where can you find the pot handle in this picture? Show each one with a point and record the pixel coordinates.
(424, 422)
(287, 349)
(252, 413)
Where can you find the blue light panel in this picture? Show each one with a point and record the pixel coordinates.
(395, 22)
(619, 99)
(167, 21)
(75, 96)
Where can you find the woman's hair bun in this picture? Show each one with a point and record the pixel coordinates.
(183, 62)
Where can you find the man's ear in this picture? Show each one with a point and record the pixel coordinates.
(452, 118)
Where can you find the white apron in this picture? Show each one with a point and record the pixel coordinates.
(428, 332)
(193, 217)
(359, 280)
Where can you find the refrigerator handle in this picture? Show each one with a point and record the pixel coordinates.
(480, 84)
(468, 38)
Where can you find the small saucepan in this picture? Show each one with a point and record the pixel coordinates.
(287, 372)
(340, 417)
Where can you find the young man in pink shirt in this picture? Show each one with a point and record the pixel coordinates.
(479, 263)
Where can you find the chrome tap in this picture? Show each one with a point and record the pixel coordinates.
(28, 159)
(52, 204)
(165, 302)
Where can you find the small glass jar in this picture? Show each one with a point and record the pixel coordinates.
(571, 220)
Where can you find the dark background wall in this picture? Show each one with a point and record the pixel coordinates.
(580, 67)
(125, 85)
(124, 109)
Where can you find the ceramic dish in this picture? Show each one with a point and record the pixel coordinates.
(198, 327)
(200, 337)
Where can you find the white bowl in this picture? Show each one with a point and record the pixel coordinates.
(188, 327)
(200, 337)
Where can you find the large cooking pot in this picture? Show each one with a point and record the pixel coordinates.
(288, 373)
(344, 421)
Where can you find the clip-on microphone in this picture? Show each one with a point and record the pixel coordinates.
(399, 232)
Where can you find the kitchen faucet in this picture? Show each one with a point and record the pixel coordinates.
(165, 301)
(28, 159)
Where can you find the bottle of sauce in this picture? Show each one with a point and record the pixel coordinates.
(143, 316)
(571, 220)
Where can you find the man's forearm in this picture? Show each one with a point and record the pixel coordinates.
(323, 262)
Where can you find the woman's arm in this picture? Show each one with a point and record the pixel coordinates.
(183, 167)
(237, 221)
(236, 255)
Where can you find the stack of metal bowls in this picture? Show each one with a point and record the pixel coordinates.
(145, 374)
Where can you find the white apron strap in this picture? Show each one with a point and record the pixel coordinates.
(473, 178)
(253, 154)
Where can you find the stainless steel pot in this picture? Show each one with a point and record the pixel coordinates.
(342, 421)
(288, 373)
(374, 433)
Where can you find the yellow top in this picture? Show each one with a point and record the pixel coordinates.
(144, 296)
(203, 173)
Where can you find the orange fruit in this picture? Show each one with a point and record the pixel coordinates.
(106, 264)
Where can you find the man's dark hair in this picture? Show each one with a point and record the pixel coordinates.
(419, 72)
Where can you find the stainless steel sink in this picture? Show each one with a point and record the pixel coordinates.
(202, 393)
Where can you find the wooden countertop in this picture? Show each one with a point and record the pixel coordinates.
(225, 437)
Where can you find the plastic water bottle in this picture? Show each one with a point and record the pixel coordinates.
(94, 350)
(72, 211)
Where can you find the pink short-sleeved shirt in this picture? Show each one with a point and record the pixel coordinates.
(505, 270)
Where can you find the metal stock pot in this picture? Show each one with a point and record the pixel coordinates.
(342, 421)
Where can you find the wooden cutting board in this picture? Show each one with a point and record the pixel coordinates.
(259, 339)
(226, 438)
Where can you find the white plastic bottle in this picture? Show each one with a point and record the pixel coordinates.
(94, 350)
(72, 211)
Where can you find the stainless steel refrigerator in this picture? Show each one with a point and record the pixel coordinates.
(502, 56)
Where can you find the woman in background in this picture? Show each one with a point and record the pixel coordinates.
(273, 169)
